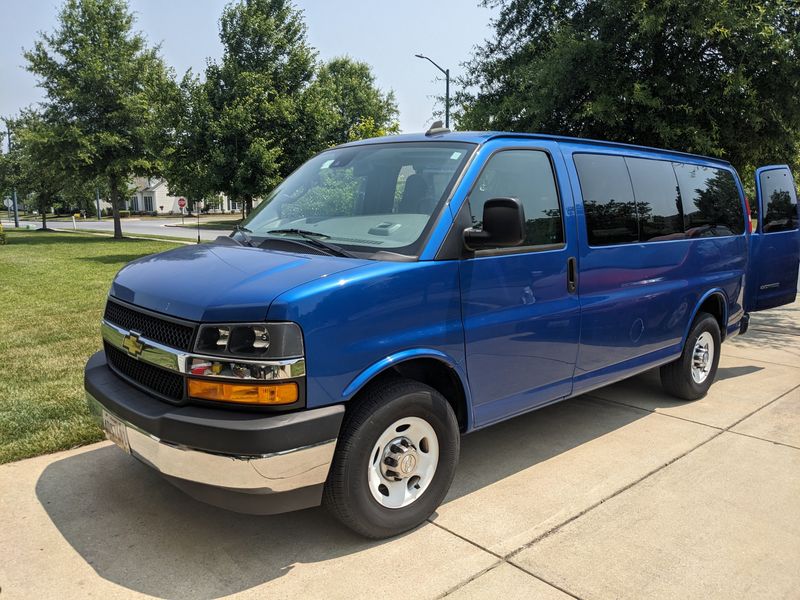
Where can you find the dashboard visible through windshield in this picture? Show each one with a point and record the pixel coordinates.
(361, 200)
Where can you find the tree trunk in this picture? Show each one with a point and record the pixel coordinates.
(113, 184)
(44, 219)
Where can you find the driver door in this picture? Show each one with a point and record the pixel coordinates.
(521, 313)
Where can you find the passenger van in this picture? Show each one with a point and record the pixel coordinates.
(393, 294)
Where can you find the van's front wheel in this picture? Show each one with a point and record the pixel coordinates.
(692, 374)
(395, 459)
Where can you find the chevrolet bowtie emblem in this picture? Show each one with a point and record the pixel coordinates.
(132, 344)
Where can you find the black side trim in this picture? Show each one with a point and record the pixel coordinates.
(210, 429)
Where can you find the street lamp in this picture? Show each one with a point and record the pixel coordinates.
(446, 89)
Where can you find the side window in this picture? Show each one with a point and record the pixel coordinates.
(657, 199)
(526, 175)
(608, 202)
(780, 200)
(711, 202)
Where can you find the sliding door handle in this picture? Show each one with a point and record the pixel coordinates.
(572, 275)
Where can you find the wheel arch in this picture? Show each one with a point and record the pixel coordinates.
(426, 365)
(714, 302)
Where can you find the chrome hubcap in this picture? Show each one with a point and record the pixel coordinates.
(403, 462)
(702, 357)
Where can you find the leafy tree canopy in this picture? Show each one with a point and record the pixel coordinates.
(40, 175)
(254, 95)
(348, 105)
(105, 93)
(267, 106)
(720, 77)
(187, 164)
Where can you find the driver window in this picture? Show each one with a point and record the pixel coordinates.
(526, 175)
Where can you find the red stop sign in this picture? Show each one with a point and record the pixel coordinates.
(181, 202)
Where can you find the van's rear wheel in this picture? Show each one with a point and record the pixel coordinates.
(692, 374)
(395, 459)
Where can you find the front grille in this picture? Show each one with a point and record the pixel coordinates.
(169, 333)
(164, 383)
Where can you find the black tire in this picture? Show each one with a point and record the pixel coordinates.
(347, 494)
(676, 377)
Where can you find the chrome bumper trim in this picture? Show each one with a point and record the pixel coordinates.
(165, 357)
(276, 472)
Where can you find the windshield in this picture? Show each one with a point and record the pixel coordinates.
(362, 199)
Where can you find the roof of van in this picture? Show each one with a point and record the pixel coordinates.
(480, 137)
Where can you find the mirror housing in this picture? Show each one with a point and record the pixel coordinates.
(503, 225)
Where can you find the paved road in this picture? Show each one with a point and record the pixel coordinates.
(133, 227)
(624, 493)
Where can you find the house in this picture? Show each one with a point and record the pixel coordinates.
(151, 195)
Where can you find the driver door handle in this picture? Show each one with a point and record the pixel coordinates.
(572, 275)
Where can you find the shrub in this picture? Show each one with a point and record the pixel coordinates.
(124, 214)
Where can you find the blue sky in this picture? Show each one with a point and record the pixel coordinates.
(384, 33)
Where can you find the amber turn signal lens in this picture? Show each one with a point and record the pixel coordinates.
(243, 393)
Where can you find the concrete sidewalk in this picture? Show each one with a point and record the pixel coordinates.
(626, 493)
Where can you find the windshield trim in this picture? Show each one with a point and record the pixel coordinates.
(391, 254)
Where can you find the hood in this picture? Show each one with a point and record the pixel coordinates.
(215, 283)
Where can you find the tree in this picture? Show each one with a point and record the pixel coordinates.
(105, 93)
(187, 164)
(39, 166)
(6, 176)
(720, 77)
(348, 105)
(255, 97)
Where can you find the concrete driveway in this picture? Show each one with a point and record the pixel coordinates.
(622, 494)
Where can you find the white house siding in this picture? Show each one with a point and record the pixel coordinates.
(162, 202)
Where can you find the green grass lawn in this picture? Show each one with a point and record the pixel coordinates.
(52, 292)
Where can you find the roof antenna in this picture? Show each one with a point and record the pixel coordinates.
(437, 128)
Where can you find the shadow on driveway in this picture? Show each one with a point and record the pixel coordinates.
(138, 531)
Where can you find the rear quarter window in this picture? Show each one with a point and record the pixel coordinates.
(712, 206)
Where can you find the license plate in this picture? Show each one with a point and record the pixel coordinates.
(116, 431)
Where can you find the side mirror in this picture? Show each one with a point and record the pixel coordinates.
(503, 225)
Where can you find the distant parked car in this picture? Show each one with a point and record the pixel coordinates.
(395, 293)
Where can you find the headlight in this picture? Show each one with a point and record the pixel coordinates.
(251, 340)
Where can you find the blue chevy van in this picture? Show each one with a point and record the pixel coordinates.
(395, 293)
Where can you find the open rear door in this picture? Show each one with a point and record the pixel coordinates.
(775, 241)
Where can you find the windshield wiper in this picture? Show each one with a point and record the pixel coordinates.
(312, 237)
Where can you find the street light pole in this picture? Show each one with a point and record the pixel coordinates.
(14, 191)
(446, 89)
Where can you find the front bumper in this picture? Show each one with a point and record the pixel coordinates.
(249, 462)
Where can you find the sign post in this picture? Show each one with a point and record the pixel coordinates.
(197, 210)
(181, 204)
